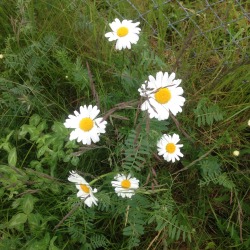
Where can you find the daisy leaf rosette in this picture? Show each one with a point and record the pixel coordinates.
(125, 186)
(168, 147)
(85, 192)
(163, 95)
(124, 33)
(87, 127)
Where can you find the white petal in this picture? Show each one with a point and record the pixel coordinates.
(76, 178)
(73, 135)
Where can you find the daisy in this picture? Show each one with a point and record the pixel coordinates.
(248, 123)
(86, 126)
(163, 96)
(125, 186)
(124, 32)
(85, 191)
(168, 147)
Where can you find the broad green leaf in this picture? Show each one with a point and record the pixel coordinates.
(41, 151)
(9, 135)
(74, 161)
(34, 120)
(42, 126)
(59, 128)
(6, 169)
(28, 203)
(34, 221)
(17, 220)
(6, 146)
(16, 203)
(12, 157)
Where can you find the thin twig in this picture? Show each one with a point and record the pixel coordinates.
(155, 238)
(179, 127)
(67, 215)
(126, 216)
(41, 174)
(92, 86)
(137, 111)
(29, 191)
(195, 161)
(122, 105)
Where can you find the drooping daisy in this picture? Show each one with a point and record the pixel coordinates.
(125, 186)
(85, 191)
(124, 32)
(163, 96)
(168, 147)
(86, 126)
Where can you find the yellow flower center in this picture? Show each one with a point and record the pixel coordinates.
(84, 188)
(122, 31)
(126, 184)
(163, 95)
(86, 124)
(170, 148)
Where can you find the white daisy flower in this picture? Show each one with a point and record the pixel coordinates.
(163, 96)
(125, 186)
(124, 32)
(86, 126)
(85, 191)
(168, 147)
(248, 123)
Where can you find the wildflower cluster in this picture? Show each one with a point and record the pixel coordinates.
(162, 95)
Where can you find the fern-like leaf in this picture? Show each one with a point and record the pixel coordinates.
(211, 172)
(207, 113)
(136, 152)
(98, 240)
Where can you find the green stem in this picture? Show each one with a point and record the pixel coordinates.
(100, 177)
